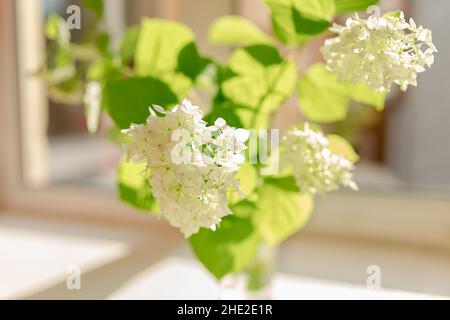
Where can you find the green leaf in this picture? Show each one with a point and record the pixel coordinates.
(190, 63)
(236, 30)
(102, 42)
(159, 45)
(134, 188)
(102, 69)
(286, 183)
(360, 92)
(342, 147)
(248, 178)
(392, 14)
(128, 44)
(244, 208)
(228, 249)
(260, 80)
(158, 50)
(56, 29)
(96, 6)
(322, 97)
(280, 213)
(127, 100)
(349, 6)
(296, 21)
(224, 110)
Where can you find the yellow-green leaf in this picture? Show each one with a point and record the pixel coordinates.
(281, 213)
(342, 147)
(322, 97)
(236, 30)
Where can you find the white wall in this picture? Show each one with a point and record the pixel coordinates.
(419, 129)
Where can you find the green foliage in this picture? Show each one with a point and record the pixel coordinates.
(228, 249)
(102, 69)
(236, 30)
(342, 147)
(190, 62)
(360, 92)
(280, 212)
(128, 44)
(158, 46)
(244, 208)
(134, 188)
(324, 99)
(260, 80)
(163, 51)
(96, 6)
(127, 100)
(102, 42)
(296, 21)
(56, 29)
(349, 6)
(286, 183)
(248, 179)
(226, 110)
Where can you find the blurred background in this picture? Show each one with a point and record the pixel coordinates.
(57, 204)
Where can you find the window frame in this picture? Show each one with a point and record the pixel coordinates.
(84, 204)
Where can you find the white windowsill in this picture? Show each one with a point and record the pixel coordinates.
(129, 264)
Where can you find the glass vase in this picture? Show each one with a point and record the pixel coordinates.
(253, 283)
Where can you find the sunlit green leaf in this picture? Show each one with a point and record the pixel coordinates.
(342, 147)
(227, 111)
(248, 179)
(261, 80)
(296, 21)
(286, 183)
(96, 6)
(360, 92)
(228, 249)
(350, 6)
(158, 50)
(322, 97)
(102, 69)
(127, 100)
(128, 44)
(236, 30)
(134, 188)
(190, 63)
(244, 208)
(102, 42)
(159, 45)
(56, 29)
(280, 213)
(392, 14)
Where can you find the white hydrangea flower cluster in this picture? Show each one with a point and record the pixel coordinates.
(315, 168)
(191, 166)
(379, 51)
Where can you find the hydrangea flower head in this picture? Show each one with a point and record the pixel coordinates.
(191, 166)
(379, 51)
(316, 169)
